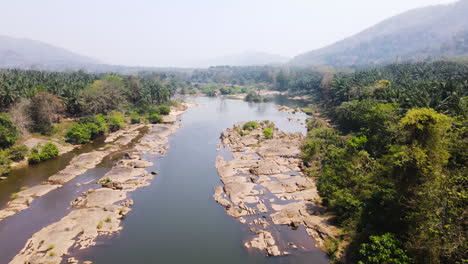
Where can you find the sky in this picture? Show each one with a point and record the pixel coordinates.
(183, 33)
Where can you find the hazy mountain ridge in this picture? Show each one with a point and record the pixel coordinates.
(419, 34)
(26, 53)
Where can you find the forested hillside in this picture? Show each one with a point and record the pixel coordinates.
(418, 35)
(393, 169)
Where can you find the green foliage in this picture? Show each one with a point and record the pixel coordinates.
(351, 116)
(254, 97)
(331, 245)
(308, 111)
(235, 80)
(425, 126)
(268, 132)
(78, 133)
(154, 118)
(45, 110)
(250, 125)
(86, 129)
(233, 89)
(438, 85)
(97, 124)
(400, 172)
(18, 153)
(357, 142)
(88, 94)
(105, 180)
(188, 90)
(383, 249)
(153, 110)
(14, 196)
(209, 89)
(135, 118)
(42, 153)
(164, 109)
(115, 121)
(345, 203)
(8, 132)
(103, 96)
(4, 163)
(318, 140)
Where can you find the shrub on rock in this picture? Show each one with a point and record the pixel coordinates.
(164, 110)
(268, 132)
(42, 153)
(251, 125)
(18, 153)
(154, 118)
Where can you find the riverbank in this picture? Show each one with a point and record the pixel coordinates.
(99, 211)
(33, 141)
(264, 188)
(78, 165)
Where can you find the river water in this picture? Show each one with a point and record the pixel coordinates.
(175, 219)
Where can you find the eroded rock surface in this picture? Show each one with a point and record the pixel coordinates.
(264, 187)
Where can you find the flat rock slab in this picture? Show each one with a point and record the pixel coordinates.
(38, 190)
(79, 165)
(102, 196)
(79, 228)
(264, 178)
(122, 174)
(24, 199)
(238, 191)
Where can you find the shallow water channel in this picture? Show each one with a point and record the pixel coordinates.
(175, 219)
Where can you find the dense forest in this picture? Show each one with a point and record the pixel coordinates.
(392, 167)
(295, 80)
(75, 106)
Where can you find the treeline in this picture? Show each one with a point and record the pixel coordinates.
(73, 88)
(392, 167)
(38, 102)
(295, 80)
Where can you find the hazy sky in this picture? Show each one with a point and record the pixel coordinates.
(183, 32)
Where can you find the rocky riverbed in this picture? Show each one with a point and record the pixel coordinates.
(264, 188)
(78, 165)
(98, 211)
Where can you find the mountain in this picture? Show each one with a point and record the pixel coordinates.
(249, 58)
(419, 34)
(27, 53)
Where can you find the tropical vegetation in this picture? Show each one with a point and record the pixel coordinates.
(44, 103)
(392, 166)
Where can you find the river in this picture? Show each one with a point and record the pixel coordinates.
(175, 219)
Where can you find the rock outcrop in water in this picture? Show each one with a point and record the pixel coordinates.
(264, 188)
